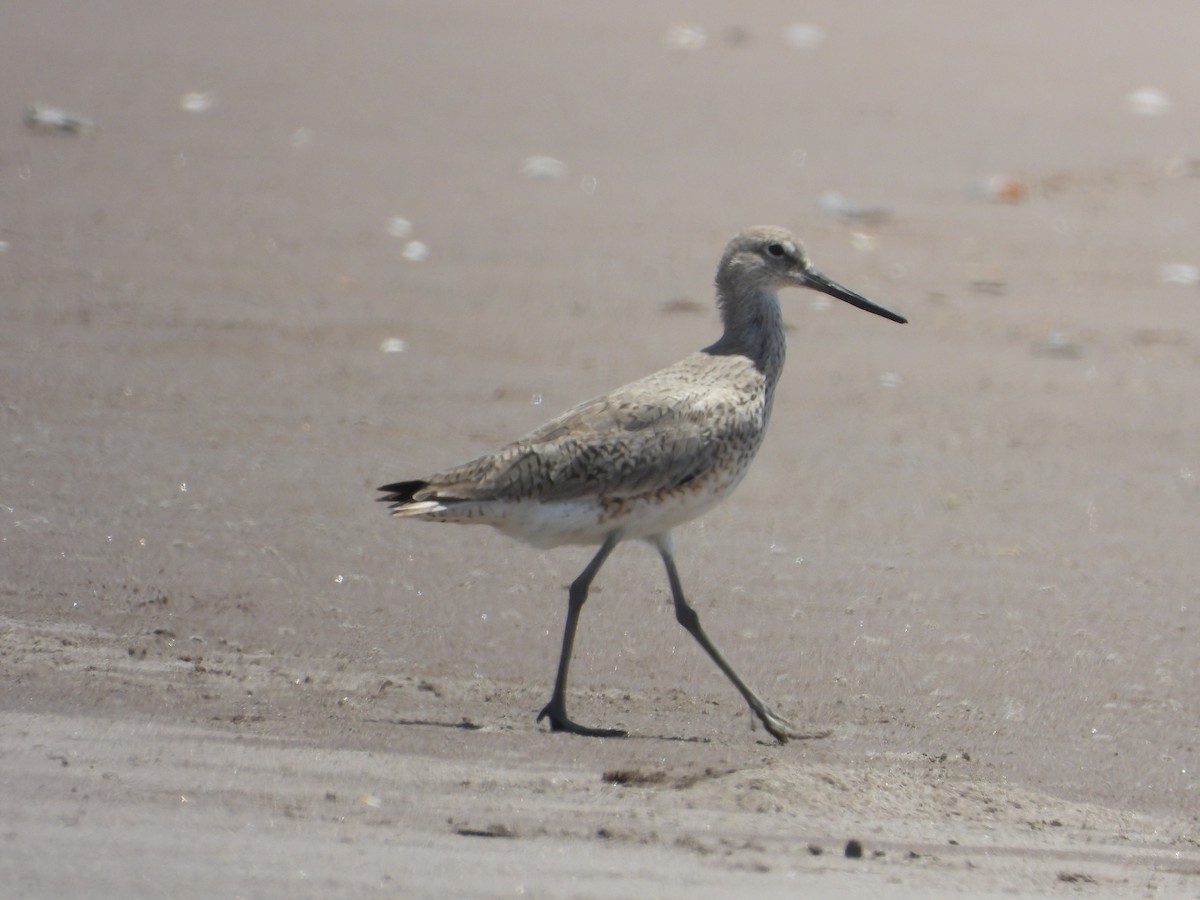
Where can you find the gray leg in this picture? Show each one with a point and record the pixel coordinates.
(778, 727)
(556, 709)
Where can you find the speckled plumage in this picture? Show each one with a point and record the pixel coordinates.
(638, 461)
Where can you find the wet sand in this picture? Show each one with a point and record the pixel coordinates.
(967, 550)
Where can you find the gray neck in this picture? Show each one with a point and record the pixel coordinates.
(754, 329)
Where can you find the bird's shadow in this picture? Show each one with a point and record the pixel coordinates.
(468, 725)
(462, 724)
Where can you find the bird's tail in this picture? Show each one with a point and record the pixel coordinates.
(404, 499)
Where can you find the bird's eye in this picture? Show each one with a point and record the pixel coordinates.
(775, 249)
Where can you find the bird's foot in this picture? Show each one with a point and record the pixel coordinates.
(777, 726)
(559, 721)
(783, 730)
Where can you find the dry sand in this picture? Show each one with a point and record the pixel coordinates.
(968, 550)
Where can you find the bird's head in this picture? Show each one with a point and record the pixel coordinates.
(766, 258)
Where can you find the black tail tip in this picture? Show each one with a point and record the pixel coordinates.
(401, 491)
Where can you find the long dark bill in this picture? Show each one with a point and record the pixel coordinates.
(825, 285)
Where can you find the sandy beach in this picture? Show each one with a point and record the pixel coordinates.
(289, 251)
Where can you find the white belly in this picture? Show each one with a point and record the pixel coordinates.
(590, 521)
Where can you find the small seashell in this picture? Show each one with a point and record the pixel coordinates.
(1149, 101)
(686, 37)
(197, 101)
(1002, 189)
(51, 118)
(803, 36)
(393, 345)
(399, 227)
(415, 251)
(544, 167)
(1179, 273)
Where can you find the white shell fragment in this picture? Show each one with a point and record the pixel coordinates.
(837, 204)
(197, 101)
(1149, 101)
(415, 251)
(544, 167)
(51, 118)
(686, 37)
(1000, 188)
(399, 227)
(863, 242)
(803, 36)
(1180, 273)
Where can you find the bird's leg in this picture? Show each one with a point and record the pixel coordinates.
(556, 709)
(777, 726)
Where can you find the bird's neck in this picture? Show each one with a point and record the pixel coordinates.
(754, 329)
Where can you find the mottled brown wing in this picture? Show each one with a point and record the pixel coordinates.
(624, 444)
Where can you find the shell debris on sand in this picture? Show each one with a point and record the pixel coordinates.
(197, 101)
(804, 36)
(415, 251)
(836, 203)
(1180, 273)
(1149, 101)
(399, 227)
(544, 167)
(686, 37)
(1002, 189)
(42, 117)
